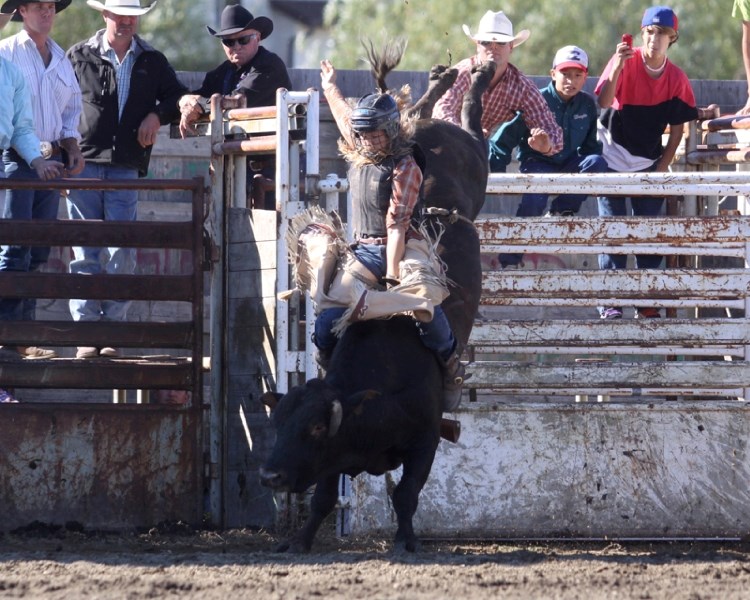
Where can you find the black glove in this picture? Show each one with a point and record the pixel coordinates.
(390, 282)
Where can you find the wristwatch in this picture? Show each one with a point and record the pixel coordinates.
(47, 149)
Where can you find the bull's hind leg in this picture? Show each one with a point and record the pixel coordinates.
(441, 79)
(322, 503)
(471, 111)
(417, 466)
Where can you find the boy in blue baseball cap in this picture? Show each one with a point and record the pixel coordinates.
(641, 93)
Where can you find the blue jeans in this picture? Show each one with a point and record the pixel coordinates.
(435, 335)
(533, 205)
(641, 206)
(107, 205)
(24, 205)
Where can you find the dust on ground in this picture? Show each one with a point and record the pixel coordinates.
(43, 562)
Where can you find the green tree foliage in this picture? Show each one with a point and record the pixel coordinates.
(708, 48)
(175, 27)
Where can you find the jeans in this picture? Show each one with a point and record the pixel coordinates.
(641, 206)
(107, 205)
(24, 205)
(435, 335)
(533, 205)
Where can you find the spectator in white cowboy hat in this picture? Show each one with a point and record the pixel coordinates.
(510, 90)
(250, 69)
(129, 91)
(32, 61)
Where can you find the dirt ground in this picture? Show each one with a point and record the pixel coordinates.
(45, 563)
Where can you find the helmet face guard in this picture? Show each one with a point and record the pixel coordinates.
(376, 112)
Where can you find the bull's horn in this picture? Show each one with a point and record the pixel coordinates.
(337, 414)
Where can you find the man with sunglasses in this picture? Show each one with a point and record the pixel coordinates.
(129, 91)
(510, 91)
(250, 69)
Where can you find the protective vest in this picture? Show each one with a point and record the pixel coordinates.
(372, 185)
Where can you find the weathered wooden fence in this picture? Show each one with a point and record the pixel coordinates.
(99, 464)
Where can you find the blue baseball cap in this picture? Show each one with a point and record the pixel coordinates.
(661, 16)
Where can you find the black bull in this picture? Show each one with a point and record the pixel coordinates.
(379, 405)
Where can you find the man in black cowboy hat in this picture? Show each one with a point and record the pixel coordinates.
(250, 69)
(56, 106)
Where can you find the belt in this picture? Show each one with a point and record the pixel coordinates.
(372, 238)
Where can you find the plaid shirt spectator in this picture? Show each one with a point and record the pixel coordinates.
(514, 92)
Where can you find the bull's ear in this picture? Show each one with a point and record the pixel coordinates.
(355, 402)
(271, 399)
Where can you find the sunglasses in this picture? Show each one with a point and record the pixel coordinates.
(242, 41)
(487, 44)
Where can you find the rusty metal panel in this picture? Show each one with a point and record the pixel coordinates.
(500, 286)
(593, 471)
(641, 333)
(105, 467)
(684, 231)
(652, 374)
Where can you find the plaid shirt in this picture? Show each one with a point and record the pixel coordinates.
(514, 92)
(407, 176)
(123, 70)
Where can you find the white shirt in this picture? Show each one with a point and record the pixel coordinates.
(55, 93)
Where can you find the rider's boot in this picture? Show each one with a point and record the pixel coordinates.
(454, 374)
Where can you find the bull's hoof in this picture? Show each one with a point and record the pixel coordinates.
(292, 546)
(444, 74)
(403, 546)
(437, 70)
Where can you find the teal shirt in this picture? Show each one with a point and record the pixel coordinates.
(576, 118)
(16, 116)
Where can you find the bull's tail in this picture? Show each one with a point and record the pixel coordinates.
(384, 60)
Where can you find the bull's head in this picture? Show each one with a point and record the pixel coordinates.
(308, 421)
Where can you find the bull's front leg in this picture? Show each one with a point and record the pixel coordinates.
(322, 503)
(417, 466)
(441, 78)
(471, 110)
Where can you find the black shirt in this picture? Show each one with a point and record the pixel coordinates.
(258, 80)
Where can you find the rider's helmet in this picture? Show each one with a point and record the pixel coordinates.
(376, 112)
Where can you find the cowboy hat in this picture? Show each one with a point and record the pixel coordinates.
(12, 5)
(496, 27)
(125, 8)
(236, 18)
